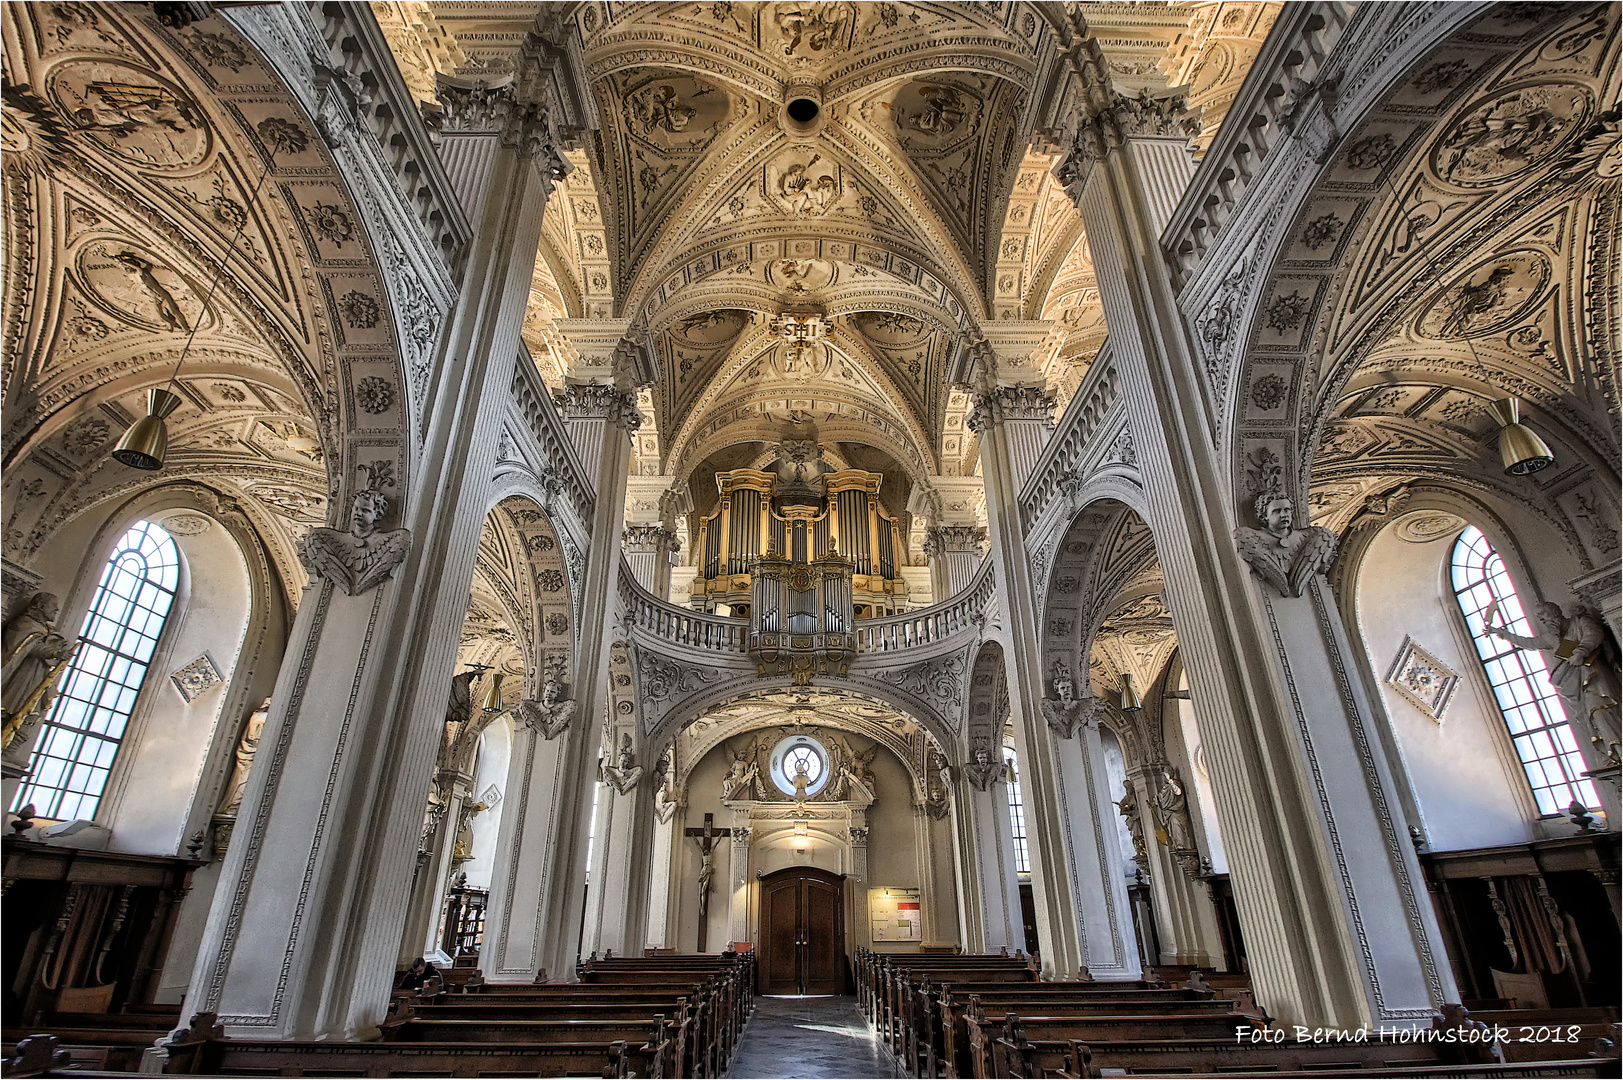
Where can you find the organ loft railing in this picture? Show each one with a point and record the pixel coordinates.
(804, 552)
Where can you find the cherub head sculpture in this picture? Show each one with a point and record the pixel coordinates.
(1276, 512)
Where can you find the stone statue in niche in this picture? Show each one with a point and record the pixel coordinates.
(1127, 806)
(624, 774)
(743, 777)
(460, 706)
(1171, 816)
(35, 656)
(665, 803)
(983, 769)
(462, 850)
(1582, 660)
(1281, 554)
(361, 558)
(549, 716)
(1064, 711)
(231, 798)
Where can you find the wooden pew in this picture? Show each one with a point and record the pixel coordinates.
(1208, 1027)
(201, 1050)
(944, 1045)
(1015, 1055)
(922, 1034)
(897, 982)
(1551, 1034)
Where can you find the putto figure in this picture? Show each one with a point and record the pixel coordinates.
(551, 714)
(1281, 554)
(361, 558)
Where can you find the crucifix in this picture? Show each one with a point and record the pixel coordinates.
(707, 837)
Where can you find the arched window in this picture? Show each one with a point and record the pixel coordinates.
(1017, 813)
(1520, 680)
(80, 737)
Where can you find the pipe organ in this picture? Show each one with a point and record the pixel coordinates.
(799, 520)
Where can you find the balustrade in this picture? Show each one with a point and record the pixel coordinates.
(359, 55)
(1275, 97)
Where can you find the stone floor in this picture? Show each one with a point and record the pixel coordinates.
(811, 1038)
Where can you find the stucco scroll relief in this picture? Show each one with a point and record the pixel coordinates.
(1424, 681)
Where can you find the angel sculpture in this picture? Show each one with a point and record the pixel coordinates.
(1281, 554)
(983, 769)
(860, 771)
(361, 558)
(550, 715)
(1065, 711)
(742, 775)
(1582, 661)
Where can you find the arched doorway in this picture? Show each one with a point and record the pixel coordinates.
(802, 931)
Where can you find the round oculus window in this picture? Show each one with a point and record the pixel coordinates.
(799, 764)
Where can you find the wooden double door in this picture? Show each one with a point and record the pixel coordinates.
(802, 932)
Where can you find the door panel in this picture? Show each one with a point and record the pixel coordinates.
(780, 919)
(822, 958)
(802, 932)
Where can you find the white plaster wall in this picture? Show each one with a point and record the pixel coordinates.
(160, 761)
(1116, 770)
(490, 767)
(1461, 769)
(1182, 735)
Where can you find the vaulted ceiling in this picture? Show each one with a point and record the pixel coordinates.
(910, 208)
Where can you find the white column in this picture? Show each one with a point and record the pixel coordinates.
(738, 900)
(537, 896)
(662, 878)
(1338, 927)
(308, 918)
(617, 901)
(988, 884)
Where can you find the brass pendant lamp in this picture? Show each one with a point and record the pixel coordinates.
(493, 694)
(1130, 701)
(1520, 448)
(145, 442)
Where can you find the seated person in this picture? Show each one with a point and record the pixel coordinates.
(419, 972)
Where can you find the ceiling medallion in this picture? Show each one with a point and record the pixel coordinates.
(1429, 525)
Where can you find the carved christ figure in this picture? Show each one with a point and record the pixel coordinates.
(1281, 554)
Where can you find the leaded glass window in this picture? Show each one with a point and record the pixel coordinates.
(1017, 813)
(96, 696)
(1520, 679)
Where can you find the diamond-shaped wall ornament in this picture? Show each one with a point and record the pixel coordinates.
(196, 678)
(1424, 680)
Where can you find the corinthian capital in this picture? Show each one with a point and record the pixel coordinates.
(947, 538)
(1100, 118)
(591, 401)
(1010, 403)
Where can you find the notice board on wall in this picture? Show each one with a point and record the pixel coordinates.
(895, 915)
